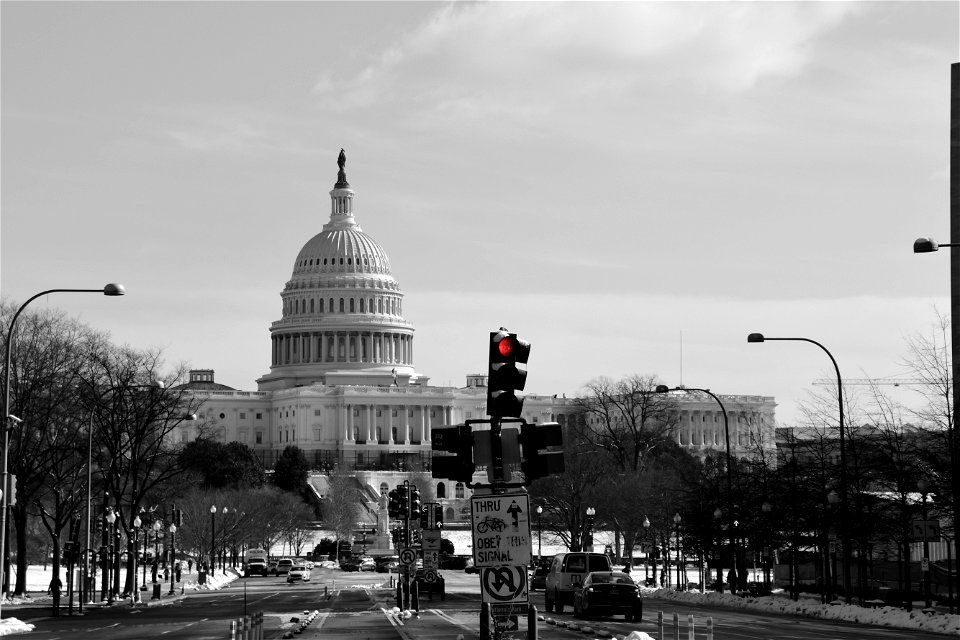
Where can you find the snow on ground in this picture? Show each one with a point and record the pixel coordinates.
(810, 606)
(38, 579)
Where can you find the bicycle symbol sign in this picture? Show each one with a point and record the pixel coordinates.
(504, 584)
(501, 530)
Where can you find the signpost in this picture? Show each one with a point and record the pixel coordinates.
(501, 529)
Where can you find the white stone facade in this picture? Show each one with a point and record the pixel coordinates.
(343, 388)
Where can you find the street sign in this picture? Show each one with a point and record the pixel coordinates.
(431, 549)
(430, 575)
(504, 585)
(500, 529)
(926, 531)
(408, 556)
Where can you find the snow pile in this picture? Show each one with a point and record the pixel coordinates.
(811, 607)
(10, 626)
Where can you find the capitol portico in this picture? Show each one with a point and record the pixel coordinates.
(342, 385)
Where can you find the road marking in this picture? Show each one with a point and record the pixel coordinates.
(453, 621)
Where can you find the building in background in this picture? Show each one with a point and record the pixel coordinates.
(342, 384)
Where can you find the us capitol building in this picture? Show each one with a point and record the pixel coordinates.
(342, 385)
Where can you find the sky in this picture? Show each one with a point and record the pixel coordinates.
(632, 187)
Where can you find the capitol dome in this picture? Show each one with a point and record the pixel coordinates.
(342, 317)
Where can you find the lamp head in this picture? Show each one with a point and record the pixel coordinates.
(755, 337)
(14, 419)
(718, 513)
(925, 245)
(646, 522)
(114, 289)
(213, 508)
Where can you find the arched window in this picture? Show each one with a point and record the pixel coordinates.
(361, 305)
(441, 490)
(321, 305)
(379, 305)
(459, 491)
(351, 305)
(311, 305)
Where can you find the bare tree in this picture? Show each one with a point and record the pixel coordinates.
(626, 418)
(341, 506)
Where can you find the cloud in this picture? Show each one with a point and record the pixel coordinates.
(483, 59)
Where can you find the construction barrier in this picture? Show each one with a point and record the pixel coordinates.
(691, 627)
(247, 627)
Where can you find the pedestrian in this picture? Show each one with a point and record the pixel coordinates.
(626, 568)
(166, 573)
(153, 571)
(190, 566)
(55, 586)
(177, 572)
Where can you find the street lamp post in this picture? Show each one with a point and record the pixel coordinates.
(923, 486)
(223, 542)
(588, 533)
(729, 458)
(717, 515)
(108, 565)
(108, 290)
(173, 555)
(646, 565)
(539, 530)
(833, 498)
(135, 534)
(928, 245)
(156, 549)
(844, 538)
(676, 522)
(766, 508)
(213, 537)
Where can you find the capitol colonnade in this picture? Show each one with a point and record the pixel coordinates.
(316, 347)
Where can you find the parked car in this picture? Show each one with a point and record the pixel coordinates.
(283, 566)
(538, 580)
(470, 568)
(298, 573)
(368, 564)
(271, 567)
(608, 593)
(566, 572)
(388, 564)
(349, 564)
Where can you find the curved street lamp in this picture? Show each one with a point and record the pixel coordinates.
(646, 565)
(662, 388)
(109, 290)
(928, 245)
(844, 538)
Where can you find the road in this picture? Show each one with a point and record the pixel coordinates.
(357, 605)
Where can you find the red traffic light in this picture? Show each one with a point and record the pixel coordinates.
(506, 347)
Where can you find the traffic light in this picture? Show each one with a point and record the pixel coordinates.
(438, 516)
(11, 489)
(537, 461)
(415, 504)
(404, 502)
(459, 441)
(393, 507)
(395, 536)
(507, 374)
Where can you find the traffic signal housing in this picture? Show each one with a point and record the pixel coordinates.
(402, 493)
(393, 506)
(506, 374)
(536, 442)
(458, 441)
(415, 504)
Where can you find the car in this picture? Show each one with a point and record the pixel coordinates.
(368, 564)
(608, 593)
(283, 566)
(271, 567)
(349, 564)
(429, 588)
(255, 566)
(539, 578)
(567, 571)
(298, 573)
(388, 564)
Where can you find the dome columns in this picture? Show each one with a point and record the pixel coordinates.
(341, 347)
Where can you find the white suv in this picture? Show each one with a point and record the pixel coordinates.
(298, 572)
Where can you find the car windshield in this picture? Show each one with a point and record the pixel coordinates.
(610, 578)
